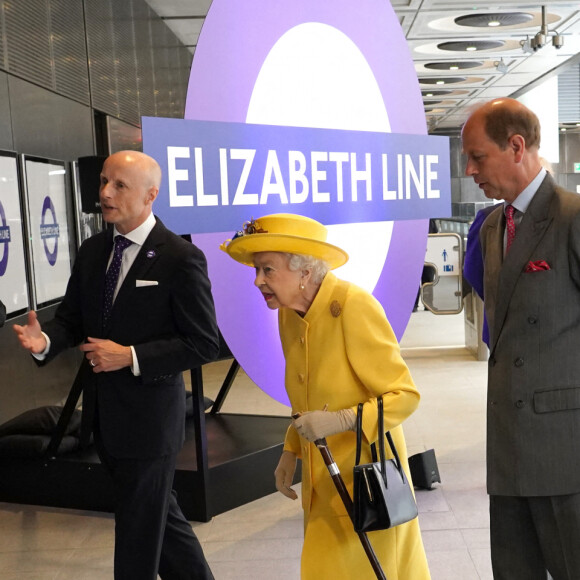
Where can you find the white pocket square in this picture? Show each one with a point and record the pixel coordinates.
(142, 283)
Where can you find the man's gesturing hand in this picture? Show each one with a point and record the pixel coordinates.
(30, 335)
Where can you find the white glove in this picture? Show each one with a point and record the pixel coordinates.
(313, 425)
(284, 474)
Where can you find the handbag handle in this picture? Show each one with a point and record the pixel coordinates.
(381, 429)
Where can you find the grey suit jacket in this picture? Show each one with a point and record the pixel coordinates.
(533, 414)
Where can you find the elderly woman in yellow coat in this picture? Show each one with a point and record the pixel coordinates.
(339, 350)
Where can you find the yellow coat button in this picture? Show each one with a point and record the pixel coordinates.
(301, 377)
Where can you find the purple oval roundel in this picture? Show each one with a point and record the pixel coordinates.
(309, 63)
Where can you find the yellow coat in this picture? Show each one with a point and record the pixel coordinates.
(341, 353)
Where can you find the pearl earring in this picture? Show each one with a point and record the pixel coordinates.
(301, 286)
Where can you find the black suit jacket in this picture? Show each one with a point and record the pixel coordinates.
(171, 325)
(533, 414)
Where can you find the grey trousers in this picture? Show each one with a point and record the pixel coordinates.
(531, 536)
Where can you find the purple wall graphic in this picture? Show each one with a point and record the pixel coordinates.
(311, 64)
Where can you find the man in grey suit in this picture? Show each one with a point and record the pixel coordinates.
(532, 303)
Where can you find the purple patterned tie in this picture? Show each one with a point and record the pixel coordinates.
(510, 226)
(112, 276)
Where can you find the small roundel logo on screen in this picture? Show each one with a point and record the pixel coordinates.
(4, 240)
(49, 231)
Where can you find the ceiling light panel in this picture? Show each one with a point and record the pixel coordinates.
(489, 94)
(445, 48)
(454, 65)
(511, 81)
(449, 80)
(546, 59)
(441, 80)
(436, 23)
(446, 103)
(481, 67)
(447, 92)
(494, 19)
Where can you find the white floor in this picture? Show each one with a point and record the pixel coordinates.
(262, 540)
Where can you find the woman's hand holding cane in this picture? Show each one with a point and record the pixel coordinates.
(315, 425)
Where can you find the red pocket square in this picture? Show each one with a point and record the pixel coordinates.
(537, 266)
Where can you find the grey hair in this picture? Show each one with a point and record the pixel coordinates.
(318, 268)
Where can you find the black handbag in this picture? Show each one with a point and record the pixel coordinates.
(382, 495)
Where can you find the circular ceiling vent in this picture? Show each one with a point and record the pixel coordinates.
(471, 45)
(454, 65)
(443, 81)
(436, 93)
(494, 19)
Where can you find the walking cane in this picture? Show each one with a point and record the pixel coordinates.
(347, 501)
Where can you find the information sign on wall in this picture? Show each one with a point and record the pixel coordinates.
(45, 190)
(13, 285)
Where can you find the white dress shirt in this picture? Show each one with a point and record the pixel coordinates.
(138, 237)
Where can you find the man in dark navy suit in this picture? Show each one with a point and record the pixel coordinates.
(139, 304)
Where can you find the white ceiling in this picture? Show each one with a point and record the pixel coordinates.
(429, 23)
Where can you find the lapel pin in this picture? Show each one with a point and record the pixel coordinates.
(151, 254)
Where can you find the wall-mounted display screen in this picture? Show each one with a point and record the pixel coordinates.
(45, 188)
(13, 285)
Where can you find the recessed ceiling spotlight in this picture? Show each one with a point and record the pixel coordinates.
(440, 83)
(471, 48)
(428, 94)
(494, 23)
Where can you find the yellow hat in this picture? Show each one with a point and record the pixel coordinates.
(283, 232)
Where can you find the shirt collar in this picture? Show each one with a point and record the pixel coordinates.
(140, 233)
(523, 200)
